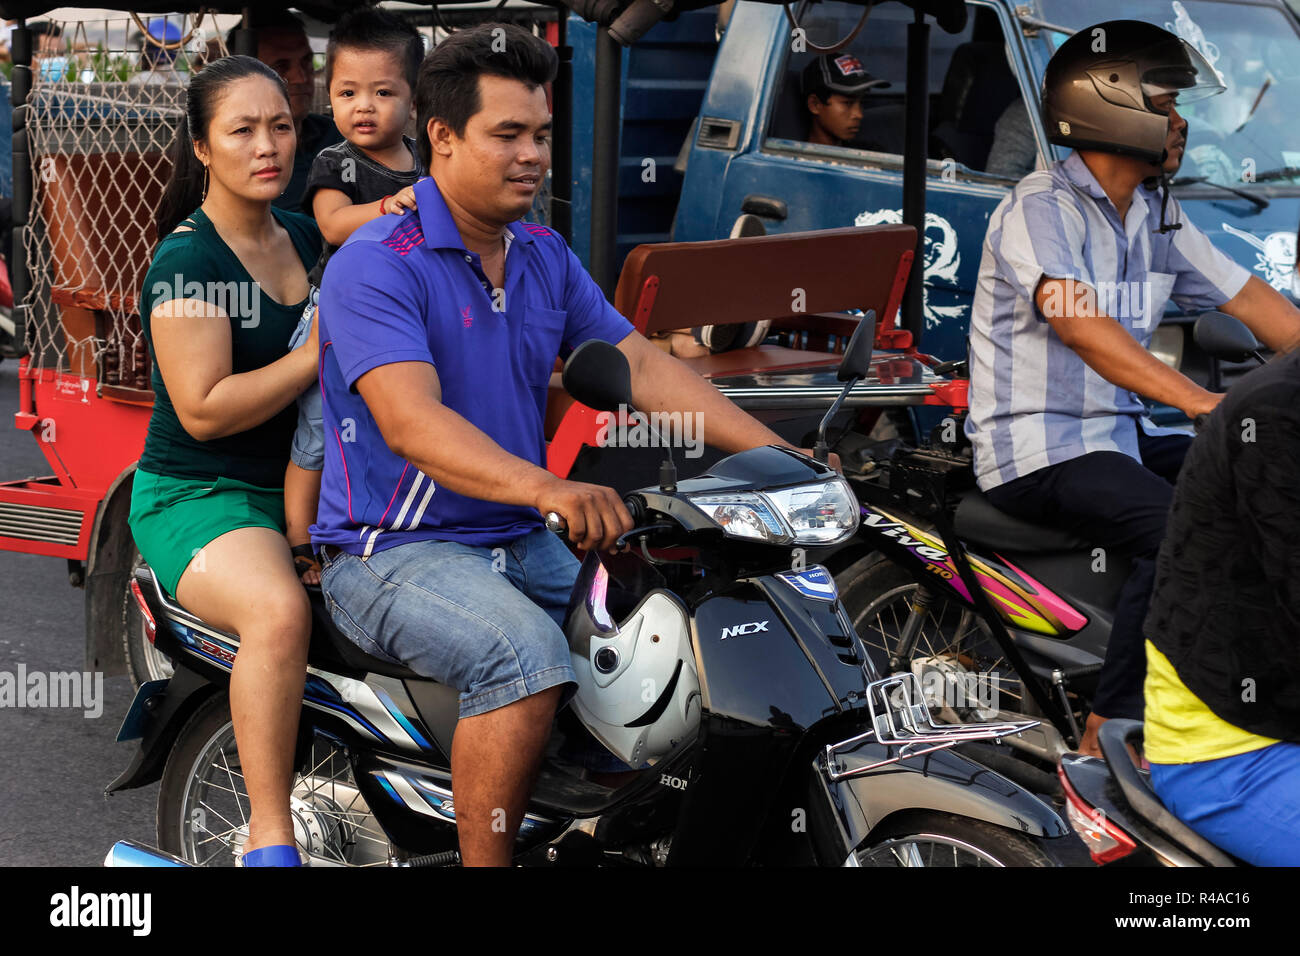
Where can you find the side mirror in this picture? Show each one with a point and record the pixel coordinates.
(857, 354)
(598, 376)
(1223, 337)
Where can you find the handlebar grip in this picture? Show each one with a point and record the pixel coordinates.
(556, 523)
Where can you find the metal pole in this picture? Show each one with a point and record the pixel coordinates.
(20, 48)
(245, 38)
(562, 150)
(915, 151)
(604, 160)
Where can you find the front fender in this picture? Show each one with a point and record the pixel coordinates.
(942, 781)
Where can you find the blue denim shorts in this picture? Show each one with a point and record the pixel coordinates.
(308, 451)
(486, 621)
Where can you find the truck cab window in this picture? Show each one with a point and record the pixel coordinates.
(973, 89)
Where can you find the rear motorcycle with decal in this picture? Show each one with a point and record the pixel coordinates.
(726, 714)
(997, 616)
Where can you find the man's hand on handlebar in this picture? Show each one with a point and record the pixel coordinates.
(596, 515)
(1203, 404)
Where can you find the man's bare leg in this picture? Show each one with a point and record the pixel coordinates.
(1089, 746)
(495, 758)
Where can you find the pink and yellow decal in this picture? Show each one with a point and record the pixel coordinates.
(1022, 601)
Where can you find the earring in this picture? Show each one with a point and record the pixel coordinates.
(205, 184)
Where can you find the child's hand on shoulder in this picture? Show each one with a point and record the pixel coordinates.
(401, 201)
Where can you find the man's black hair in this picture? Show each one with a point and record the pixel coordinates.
(448, 88)
(42, 27)
(368, 28)
(261, 18)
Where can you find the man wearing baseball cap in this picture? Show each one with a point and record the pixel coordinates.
(833, 87)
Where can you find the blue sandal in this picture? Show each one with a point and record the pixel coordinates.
(277, 854)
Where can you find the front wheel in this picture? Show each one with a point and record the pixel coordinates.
(952, 641)
(942, 840)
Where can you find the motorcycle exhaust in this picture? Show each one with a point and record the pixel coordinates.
(130, 853)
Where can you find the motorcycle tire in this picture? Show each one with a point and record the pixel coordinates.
(875, 584)
(144, 662)
(926, 838)
(332, 822)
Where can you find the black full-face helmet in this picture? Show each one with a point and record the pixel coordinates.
(1098, 87)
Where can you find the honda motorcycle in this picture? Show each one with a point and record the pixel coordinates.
(713, 661)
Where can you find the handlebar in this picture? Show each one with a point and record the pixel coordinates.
(556, 524)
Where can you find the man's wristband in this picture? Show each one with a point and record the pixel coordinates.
(382, 201)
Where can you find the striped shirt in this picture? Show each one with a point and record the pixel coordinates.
(1033, 401)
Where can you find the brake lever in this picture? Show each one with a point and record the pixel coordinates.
(643, 529)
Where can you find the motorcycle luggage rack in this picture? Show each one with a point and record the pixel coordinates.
(905, 722)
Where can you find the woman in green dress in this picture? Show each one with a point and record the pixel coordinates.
(221, 300)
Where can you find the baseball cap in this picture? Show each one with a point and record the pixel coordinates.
(838, 73)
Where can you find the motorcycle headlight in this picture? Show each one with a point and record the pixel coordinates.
(822, 513)
(744, 515)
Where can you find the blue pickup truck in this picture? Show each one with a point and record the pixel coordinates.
(737, 128)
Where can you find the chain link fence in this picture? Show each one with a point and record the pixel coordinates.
(104, 107)
(105, 103)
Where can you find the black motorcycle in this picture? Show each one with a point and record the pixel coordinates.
(770, 737)
(998, 616)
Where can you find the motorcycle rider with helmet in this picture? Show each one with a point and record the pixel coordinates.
(1078, 264)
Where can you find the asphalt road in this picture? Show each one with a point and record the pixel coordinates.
(55, 762)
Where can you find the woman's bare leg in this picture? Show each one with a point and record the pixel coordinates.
(244, 582)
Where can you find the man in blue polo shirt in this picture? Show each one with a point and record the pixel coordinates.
(439, 331)
(1078, 264)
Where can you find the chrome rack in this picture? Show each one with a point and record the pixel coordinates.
(901, 719)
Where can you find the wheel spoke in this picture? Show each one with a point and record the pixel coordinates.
(339, 826)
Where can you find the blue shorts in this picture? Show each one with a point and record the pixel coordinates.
(1246, 805)
(308, 451)
(486, 621)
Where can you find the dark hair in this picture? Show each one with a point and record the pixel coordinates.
(368, 28)
(447, 88)
(41, 27)
(272, 19)
(184, 190)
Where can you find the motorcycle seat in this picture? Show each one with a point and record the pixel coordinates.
(331, 650)
(1142, 797)
(979, 522)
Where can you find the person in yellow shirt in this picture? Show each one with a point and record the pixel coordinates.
(1222, 689)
